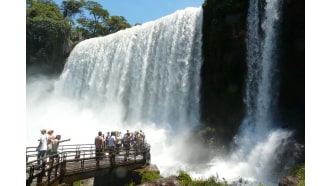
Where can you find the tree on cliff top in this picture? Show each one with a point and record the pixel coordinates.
(46, 31)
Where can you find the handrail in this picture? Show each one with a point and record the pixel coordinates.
(61, 148)
(57, 168)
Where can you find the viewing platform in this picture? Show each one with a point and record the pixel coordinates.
(77, 162)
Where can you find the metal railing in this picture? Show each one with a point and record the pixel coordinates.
(77, 159)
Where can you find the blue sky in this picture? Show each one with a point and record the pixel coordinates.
(141, 11)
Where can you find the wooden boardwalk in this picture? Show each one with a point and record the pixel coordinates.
(77, 162)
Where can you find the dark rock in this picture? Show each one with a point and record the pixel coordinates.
(224, 67)
(289, 181)
(292, 68)
(149, 168)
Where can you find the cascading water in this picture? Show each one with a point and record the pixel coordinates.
(151, 71)
(261, 61)
(259, 153)
(147, 77)
(259, 141)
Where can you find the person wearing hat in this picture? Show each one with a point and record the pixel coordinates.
(42, 146)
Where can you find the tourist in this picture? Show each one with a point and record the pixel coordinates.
(99, 141)
(51, 137)
(42, 147)
(127, 143)
(111, 147)
(142, 135)
(107, 141)
(55, 145)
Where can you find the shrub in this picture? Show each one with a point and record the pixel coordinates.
(186, 180)
(149, 176)
(299, 172)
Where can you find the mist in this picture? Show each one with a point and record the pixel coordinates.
(151, 82)
(252, 159)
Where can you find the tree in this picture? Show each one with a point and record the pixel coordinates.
(95, 23)
(99, 22)
(72, 7)
(51, 32)
(46, 34)
(116, 23)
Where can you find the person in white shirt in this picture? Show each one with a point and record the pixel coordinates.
(111, 147)
(42, 148)
(112, 141)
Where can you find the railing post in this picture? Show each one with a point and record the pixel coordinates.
(50, 168)
(42, 173)
(77, 157)
(92, 151)
(57, 164)
(30, 179)
(82, 162)
(63, 168)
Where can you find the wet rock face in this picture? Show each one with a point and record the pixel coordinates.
(292, 68)
(224, 67)
(121, 176)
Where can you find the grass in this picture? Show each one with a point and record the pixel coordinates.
(186, 180)
(299, 172)
(149, 176)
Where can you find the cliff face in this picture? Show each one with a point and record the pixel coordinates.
(224, 67)
(292, 68)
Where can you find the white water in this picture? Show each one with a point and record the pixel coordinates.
(261, 95)
(259, 146)
(147, 77)
(151, 71)
(261, 153)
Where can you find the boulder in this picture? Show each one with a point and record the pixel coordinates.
(289, 181)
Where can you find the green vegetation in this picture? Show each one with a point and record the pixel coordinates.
(52, 31)
(46, 31)
(299, 172)
(78, 183)
(207, 133)
(149, 176)
(186, 180)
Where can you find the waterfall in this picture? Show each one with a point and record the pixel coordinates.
(152, 71)
(148, 77)
(260, 144)
(261, 85)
